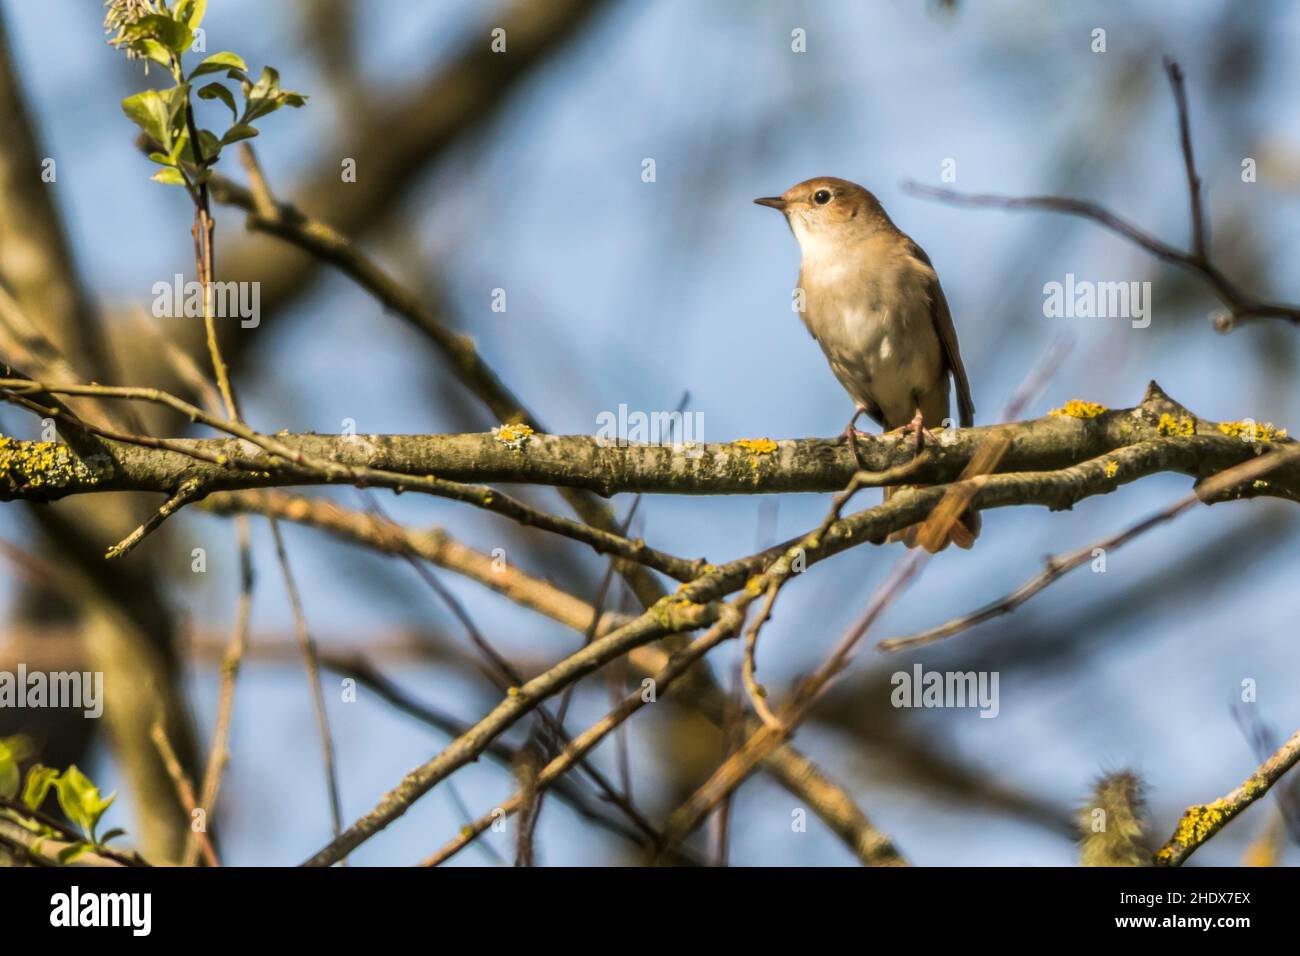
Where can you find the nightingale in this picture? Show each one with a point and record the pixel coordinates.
(872, 300)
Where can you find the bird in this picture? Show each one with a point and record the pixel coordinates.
(871, 298)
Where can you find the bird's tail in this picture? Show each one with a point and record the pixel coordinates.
(953, 520)
(962, 532)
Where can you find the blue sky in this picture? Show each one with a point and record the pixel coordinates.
(627, 292)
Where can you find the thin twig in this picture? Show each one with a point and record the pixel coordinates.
(1202, 821)
(503, 675)
(1199, 244)
(1241, 306)
(584, 742)
(231, 662)
(190, 490)
(313, 675)
(184, 789)
(1057, 566)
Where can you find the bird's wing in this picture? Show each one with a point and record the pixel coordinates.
(947, 333)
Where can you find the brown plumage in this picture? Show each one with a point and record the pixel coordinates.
(873, 302)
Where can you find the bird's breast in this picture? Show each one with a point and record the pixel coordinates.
(877, 334)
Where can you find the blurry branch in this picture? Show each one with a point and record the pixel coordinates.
(433, 545)
(187, 371)
(1202, 821)
(727, 621)
(360, 669)
(184, 789)
(577, 748)
(399, 136)
(231, 662)
(668, 617)
(1157, 435)
(48, 323)
(1262, 741)
(36, 261)
(1058, 566)
(503, 675)
(1241, 306)
(788, 767)
(328, 245)
(693, 606)
(311, 660)
(44, 465)
(844, 817)
(393, 141)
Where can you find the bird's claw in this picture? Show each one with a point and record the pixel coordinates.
(851, 435)
(916, 426)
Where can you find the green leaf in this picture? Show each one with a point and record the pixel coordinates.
(78, 796)
(177, 98)
(263, 97)
(162, 159)
(237, 132)
(169, 177)
(71, 852)
(215, 91)
(149, 112)
(268, 84)
(190, 12)
(224, 60)
(39, 781)
(179, 148)
(112, 834)
(155, 26)
(209, 145)
(154, 51)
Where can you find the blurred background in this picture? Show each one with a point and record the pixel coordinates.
(623, 291)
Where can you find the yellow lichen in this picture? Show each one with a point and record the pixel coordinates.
(1197, 825)
(1112, 468)
(1168, 425)
(42, 464)
(757, 446)
(513, 437)
(1249, 430)
(1075, 408)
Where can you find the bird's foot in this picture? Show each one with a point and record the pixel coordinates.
(852, 433)
(917, 427)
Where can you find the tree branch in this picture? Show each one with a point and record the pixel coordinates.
(1174, 439)
(1202, 821)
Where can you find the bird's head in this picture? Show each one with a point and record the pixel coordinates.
(827, 210)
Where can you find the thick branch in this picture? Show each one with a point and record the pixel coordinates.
(1174, 439)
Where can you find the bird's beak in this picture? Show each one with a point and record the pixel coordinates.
(776, 202)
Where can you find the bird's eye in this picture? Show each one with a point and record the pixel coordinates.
(822, 196)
